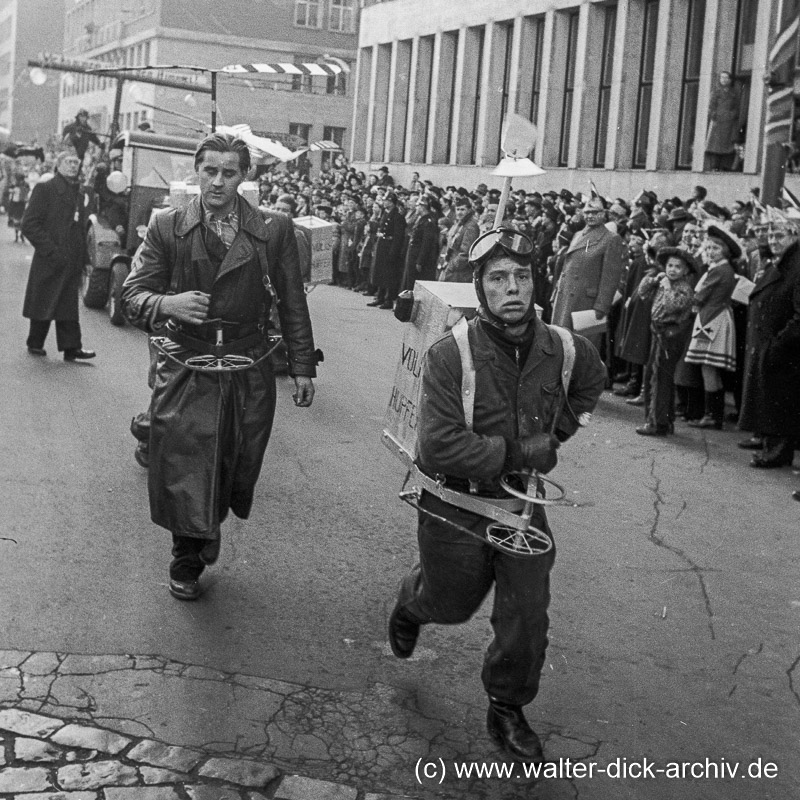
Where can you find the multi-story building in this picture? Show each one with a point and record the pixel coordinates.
(619, 90)
(28, 111)
(207, 33)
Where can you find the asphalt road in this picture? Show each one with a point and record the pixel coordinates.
(675, 612)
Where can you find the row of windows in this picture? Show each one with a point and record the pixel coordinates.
(564, 68)
(341, 15)
(134, 56)
(330, 133)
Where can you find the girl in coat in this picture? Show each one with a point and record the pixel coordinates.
(713, 342)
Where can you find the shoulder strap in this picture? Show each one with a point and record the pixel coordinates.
(568, 346)
(461, 335)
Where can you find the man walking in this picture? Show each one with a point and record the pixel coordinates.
(209, 271)
(519, 419)
(54, 223)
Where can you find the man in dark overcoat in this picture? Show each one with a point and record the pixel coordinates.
(460, 238)
(770, 405)
(215, 265)
(54, 223)
(423, 244)
(387, 271)
(592, 270)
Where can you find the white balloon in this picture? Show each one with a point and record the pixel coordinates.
(135, 92)
(38, 76)
(189, 100)
(117, 181)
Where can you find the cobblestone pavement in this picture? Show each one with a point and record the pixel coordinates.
(123, 727)
(50, 757)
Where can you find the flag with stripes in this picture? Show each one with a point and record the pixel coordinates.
(320, 70)
(780, 102)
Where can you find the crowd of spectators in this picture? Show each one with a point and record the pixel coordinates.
(677, 341)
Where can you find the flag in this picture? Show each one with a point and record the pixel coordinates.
(780, 102)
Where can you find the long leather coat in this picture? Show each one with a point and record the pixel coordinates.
(210, 430)
(771, 404)
(50, 225)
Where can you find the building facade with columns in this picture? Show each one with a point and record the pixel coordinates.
(619, 91)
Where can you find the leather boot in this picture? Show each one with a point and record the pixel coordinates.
(403, 632)
(508, 727)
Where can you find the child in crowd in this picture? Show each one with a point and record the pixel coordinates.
(671, 326)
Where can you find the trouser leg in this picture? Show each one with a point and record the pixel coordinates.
(37, 332)
(514, 660)
(186, 562)
(68, 334)
(663, 399)
(454, 573)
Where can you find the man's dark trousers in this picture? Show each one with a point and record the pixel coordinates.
(455, 574)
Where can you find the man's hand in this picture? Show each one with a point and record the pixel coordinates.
(189, 307)
(539, 451)
(304, 391)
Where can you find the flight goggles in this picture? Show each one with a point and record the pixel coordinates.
(510, 240)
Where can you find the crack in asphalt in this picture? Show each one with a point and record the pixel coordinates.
(658, 540)
(791, 679)
(707, 452)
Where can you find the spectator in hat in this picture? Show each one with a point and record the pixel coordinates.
(423, 244)
(670, 323)
(592, 270)
(770, 407)
(713, 342)
(459, 240)
(676, 222)
(384, 178)
(387, 271)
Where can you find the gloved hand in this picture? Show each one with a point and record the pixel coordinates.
(539, 451)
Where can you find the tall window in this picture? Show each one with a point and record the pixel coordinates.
(331, 133)
(507, 38)
(606, 69)
(451, 110)
(691, 77)
(476, 110)
(569, 89)
(538, 42)
(341, 16)
(308, 14)
(301, 130)
(337, 84)
(742, 67)
(645, 97)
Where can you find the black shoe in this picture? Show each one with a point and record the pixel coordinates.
(706, 422)
(652, 430)
(403, 632)
(508, 727)
(770, 463)
(753, 443)
(184, 590)
(74, 355)
(630, 390)
(796, 494)
(374, 303)
(142, 454)
(388, 304)
(37, 351)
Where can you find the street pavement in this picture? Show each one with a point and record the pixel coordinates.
(675, 614)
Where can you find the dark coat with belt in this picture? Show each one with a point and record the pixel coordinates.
(387, 270)
(771, 402)
(423, 251)
(50, 225)
(209, 431)
(459, 240)
(723, 119)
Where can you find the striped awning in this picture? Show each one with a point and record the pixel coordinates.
(322, 70)
(325, 144)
